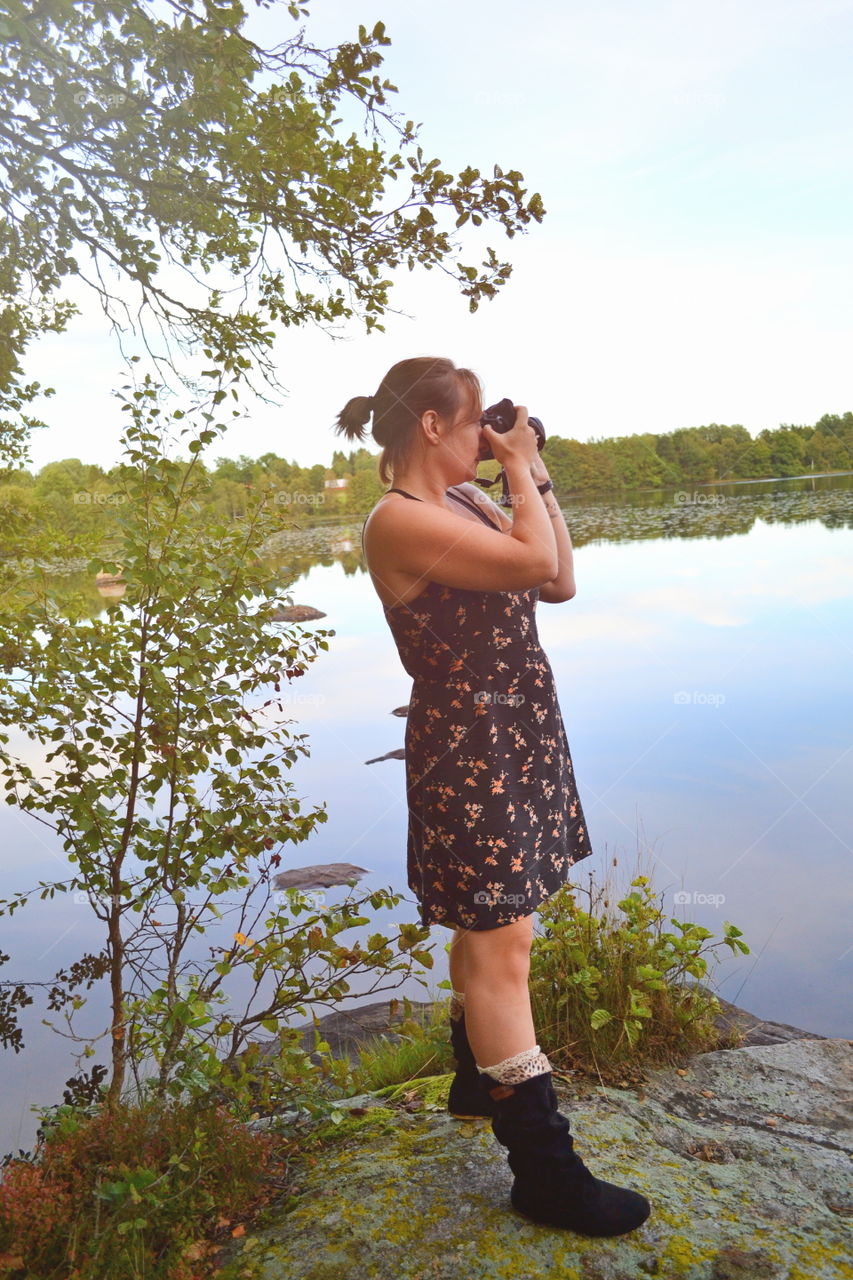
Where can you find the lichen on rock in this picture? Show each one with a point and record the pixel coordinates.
(745, 1158)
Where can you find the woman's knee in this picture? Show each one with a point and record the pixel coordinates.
(502, 953)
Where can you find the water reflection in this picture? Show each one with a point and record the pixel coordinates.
(704, 675)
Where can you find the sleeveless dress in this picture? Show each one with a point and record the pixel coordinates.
(495, 821)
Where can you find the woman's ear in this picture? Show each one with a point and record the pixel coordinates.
(430, 423)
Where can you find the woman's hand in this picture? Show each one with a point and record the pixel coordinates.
(519, 444)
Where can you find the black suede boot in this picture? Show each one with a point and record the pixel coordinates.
(552, 1184)
(467, 1098)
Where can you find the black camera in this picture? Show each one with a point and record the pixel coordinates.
(501, 417)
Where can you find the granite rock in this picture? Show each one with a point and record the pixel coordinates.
(744, 1153)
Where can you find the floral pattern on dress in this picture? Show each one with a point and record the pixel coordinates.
(495, 821)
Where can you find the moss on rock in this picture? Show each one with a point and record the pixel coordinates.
(401, 1189)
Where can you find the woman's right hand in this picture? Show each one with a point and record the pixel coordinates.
(520, 443)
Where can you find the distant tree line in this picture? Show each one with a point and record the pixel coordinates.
(67, 501)
(699, 455)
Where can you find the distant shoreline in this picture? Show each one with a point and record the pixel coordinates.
(807, 475)
(695, 484)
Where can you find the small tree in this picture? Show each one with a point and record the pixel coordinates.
(167, 786)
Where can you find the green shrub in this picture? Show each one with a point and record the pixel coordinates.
(132, 1191)
(608, 992)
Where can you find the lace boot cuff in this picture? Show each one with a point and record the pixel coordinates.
(521, 1066)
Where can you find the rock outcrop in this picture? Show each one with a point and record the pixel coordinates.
(321, 876)
(745, 1155)
(297, 613)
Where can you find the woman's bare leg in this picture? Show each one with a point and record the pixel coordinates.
(456, 962)
(497, 1000)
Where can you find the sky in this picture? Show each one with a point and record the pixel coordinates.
(695, 263)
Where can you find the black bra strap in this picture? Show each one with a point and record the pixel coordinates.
(405, 495)
(457, 497)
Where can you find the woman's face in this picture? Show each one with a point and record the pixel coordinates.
(464, 436)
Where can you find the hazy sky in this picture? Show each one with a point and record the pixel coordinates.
(695, 262)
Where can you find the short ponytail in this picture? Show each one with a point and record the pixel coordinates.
(354, 417)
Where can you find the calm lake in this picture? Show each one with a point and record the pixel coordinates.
(704, 674)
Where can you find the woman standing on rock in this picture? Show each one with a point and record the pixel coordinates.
(495, 822)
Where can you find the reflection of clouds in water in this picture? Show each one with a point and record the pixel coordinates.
(358, 686)
(22, 747)
(739, 579)
(30, 846)
(699, 605)
(739, 602)
(556, 630)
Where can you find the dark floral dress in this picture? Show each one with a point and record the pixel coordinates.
(495, 821)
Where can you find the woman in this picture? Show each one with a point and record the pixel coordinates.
(495, 822)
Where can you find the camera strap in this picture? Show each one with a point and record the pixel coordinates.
(504, 500)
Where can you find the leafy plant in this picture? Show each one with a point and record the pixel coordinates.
(608, 992)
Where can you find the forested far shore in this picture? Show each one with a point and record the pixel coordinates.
(71, 498)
